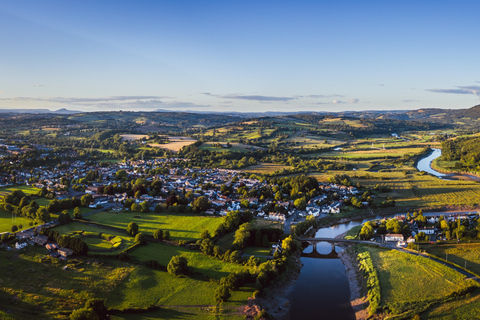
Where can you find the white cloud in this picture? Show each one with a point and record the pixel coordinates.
(353, 100)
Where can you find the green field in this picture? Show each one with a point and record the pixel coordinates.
(410, 283)
(6, 222)
(97, 243)
(213, 268)
(464, 309)
(181, 226)
(458, 254)
(257, 251)
(266, 168)
(28, 190)
(412, 190)
(30, 279)
(374, 153)
(144, 287)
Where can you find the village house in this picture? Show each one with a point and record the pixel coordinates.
(65, 252)
(394, 237)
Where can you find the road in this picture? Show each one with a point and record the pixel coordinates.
(288, 222)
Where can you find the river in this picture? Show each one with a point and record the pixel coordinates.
(425, 164)
(322, 290)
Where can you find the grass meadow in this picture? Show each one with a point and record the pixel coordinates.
(458, 254)
(181, 226)
(411, 283)
(213, 268)
(6, 222)
(264, 168)
(463, 309)
(34, 286)
(73, 228)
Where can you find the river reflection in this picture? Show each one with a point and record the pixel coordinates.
(322, 290)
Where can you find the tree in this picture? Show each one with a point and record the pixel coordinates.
(132, 228)
(222, 294)
(201, 204)
(366, 232)
(258, 238)
(77, 213)
(121, 174)
(138, 194)
(265, 242)
(178, 265)
(158, 234)
(166, 235)
(290, 245)
(140, 238)
(300, 203)
(83, 314)
(206, 246)
(98, 306)
(242, 234)
(42, 214)
(86, 200)
(205, 234)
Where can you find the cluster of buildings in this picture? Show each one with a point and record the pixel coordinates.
(206, 182)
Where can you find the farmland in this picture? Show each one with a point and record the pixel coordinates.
(181, 226)
(30, 279)
(175, 144)
(6, 222)
(464, 254)
(145, 287)
(97, 237)
(410, 283)
(213, 268)
(264, 168)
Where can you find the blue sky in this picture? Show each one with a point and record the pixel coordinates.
(239, 55)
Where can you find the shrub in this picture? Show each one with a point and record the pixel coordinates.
(14, 228)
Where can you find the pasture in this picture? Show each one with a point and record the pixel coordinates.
(31, 279)
(133, 137)
(6, 222)
(181, 226)
(410, 283)
(28, 190)
(265, 167)
(144, 287)
(175, 144)
(412, 189)
(96, 237)
(374, 153)
(459, 309)
(458, 254)
(235, 147)
(211, 267)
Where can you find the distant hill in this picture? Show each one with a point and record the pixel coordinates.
(39, 111)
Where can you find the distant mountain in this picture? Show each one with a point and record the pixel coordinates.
(24, 111)
(66, 111)
(38, 111)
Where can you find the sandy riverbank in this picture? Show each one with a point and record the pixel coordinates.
(358, 293)
(275, 302)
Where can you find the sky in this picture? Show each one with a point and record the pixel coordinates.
(239, 56)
